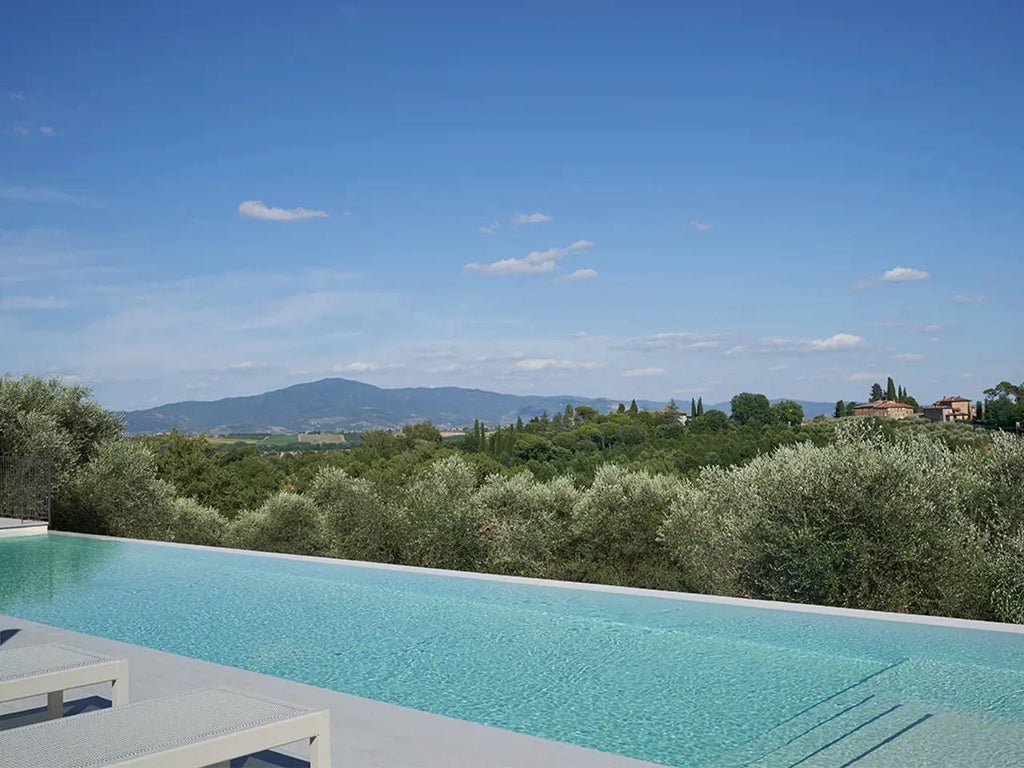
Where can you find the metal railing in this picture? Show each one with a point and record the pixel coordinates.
(26, 487)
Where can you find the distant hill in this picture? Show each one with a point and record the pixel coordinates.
(344, 405)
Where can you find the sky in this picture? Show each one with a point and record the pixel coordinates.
(620, 199)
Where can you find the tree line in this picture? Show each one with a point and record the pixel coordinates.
(924, 518)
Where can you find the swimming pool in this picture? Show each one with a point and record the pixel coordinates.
(674, 681)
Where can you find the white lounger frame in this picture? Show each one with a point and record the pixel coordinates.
(218, 751)
(54, 682)
(97, 739)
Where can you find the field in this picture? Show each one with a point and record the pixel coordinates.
(286, 441)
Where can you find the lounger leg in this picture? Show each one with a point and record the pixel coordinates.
(320, 751)
(119, 691)
(55, 704)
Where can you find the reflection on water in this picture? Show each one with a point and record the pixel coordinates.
(33, 571)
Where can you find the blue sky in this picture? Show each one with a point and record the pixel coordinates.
(644, 199)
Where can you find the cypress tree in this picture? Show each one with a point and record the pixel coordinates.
(840, 408)
(700, 406)
(693, 407)
(633, 409)
(890, 389)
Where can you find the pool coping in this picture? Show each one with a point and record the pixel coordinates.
(823, 610)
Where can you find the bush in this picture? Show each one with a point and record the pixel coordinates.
(615, 527)
(118, 493)
(286, 522)
(193, 523)
(443, 518)
(359, 524)
(522, 517)
(867, 522)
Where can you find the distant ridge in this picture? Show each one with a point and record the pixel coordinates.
(334, 405)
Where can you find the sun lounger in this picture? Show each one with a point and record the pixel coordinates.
(193, 730)
(53, 668)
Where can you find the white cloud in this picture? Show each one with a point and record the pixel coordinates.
(249, 365)
(551, 364)
(908, 357)
(903, 274)
(968, 298)
(904, 326)
(359, 366)
(677, 340)
(701, 226)
(48, 131)
(255, 209)
(491, 229)
(14, 303)
(535, 262)
(581, 274)
(38, 195)
(643, 372)
(839, 342)
(530, 218)
(866, 376)
(894, 275)
(19, 130)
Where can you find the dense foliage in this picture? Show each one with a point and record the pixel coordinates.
(889, 515)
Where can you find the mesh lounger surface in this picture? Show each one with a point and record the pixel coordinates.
(51, 668)
(198, 728)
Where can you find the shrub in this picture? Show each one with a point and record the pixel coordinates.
(521, 514)
(615, 527)
(193, 523)
(286, 522)
(867, 522)
(118, 493)
(443, 518)
(359, 524)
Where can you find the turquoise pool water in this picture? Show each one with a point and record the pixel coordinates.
(672, 681)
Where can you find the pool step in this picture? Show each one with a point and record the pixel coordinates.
(840, 734)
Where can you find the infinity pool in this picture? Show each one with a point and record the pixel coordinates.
(665, 679)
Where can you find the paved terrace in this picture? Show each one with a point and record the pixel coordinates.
(13, 526)
(364, 733)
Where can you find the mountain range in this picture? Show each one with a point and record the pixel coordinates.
(336, 405)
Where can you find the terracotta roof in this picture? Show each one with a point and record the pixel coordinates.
(954, 399)
(884, 405)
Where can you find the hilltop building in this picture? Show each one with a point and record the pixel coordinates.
(888, 409)
(950, 409)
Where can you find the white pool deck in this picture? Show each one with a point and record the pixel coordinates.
(13, 526)
(364, 733)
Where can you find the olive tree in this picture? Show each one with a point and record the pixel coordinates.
(118, 493)
(442, 517)
(615, 527)
(360, 524)
(286, 522)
